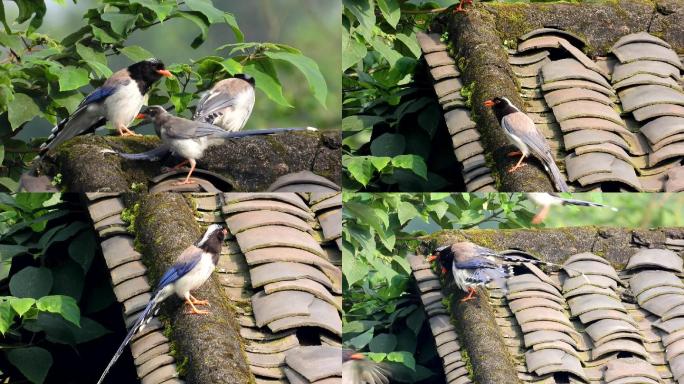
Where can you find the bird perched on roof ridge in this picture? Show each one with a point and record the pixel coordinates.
(193, 267)
(473, 265)
(189, 139)
(524, 134)
(228, 104)
(357, 369)
(546, 200)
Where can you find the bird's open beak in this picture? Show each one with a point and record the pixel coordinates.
(431, 258)
(489, 103)
(225, 232)
(357, 356)
(140, 116)
(165, 73)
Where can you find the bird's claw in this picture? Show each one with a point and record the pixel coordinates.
(202, 302)
(516, 168)
(127, 132)
(463, 300)
(185, 182)
(195, 311)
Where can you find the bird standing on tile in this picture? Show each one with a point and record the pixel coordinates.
(356, 369)
(193, 267)
(526, 137)
(546, 200)
(189, 139)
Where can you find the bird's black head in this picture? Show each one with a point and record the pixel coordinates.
(147, 72)
(151, 113)
(444, 256)
(213, 239)
(501, 106)
(246, 78)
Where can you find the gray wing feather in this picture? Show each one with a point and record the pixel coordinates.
(211, 106)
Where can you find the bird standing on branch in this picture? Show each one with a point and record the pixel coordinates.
(546, 200)
(526, 137)
(192, 269)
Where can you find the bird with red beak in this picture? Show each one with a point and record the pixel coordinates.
(524, 134)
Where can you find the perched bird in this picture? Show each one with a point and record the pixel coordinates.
(192, 268)
(546, 200)
(228, 104)
(189, 139)
(471, 266)
(525, 135)
(118, 101)
(356, 369)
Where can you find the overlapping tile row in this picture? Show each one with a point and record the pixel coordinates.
(463, 130)
(592, 287)
(647, 77)
(291, 298)
(654, 277)
(578, 110)
(150, 348)
(304, 181)
(446, 338)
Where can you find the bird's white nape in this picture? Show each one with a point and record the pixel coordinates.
(509, 103)
(212, 228)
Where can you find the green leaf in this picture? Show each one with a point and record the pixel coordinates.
(20, 305)
(412, 162)
(354, 270)
(267, 81)
(6, 316)
(406, 212)
(310, 70)
(380, 162)
(103, 35)
(11, 186)
(160, 8)
(392, 56)
(358, 122)
(207, 9)
(404, 358)
(383, 342)
(21, 110)
(8, 251)
(353, 51)
(82, 249)
(136, 53)
(120, 23)
(232, 23)
(357, 140)
(429, 119)
(71, 78)
(33, 362)
(361, 169)
(63, 305)
(415, 320)
(388, 144)
(31, 282)
(364, 12)
(361, 340)
(59, 233)
(72, 99)
(196, 18)
(390, 11)
(68, 280)
(411, 43)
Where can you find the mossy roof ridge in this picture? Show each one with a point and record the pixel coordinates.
(164, 226)
(555, 245)
(253, 163)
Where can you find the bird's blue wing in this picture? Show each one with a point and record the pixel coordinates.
(99, 95)
(179, 270)
(475, 263)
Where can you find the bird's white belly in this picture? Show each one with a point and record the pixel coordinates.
(461, 279)
(196, 277)
(122, 106)
(190, 148)
(519, 144)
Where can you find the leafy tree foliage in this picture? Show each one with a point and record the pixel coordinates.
(47, 78)
(45, 255)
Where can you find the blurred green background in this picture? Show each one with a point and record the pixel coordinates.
(309, 25)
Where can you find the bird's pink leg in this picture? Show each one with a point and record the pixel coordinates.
(471, 292)
(187, 180)
(199, 302)
(181, 164)
(124, 131)
(518, 165)
(194, 310)
(514, 153)
(539, 217)
(460, 7)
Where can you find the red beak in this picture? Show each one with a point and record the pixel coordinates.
(431, 258)
(165, 73)
(140, 116)
(489, 103)
(444, 271)
(357, 356)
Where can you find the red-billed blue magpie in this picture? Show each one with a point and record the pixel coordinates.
(193, 268)
(189, 139)
(546, 200)
(357, 369)
(521, 130)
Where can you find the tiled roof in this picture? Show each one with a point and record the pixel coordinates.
(617, 119)
(591, 322)
(280, 268)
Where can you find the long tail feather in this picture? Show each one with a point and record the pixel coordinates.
(586, 203)
(258, 132)
(139, 324)
(152, 155)
(518, 260)
(556, 175)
